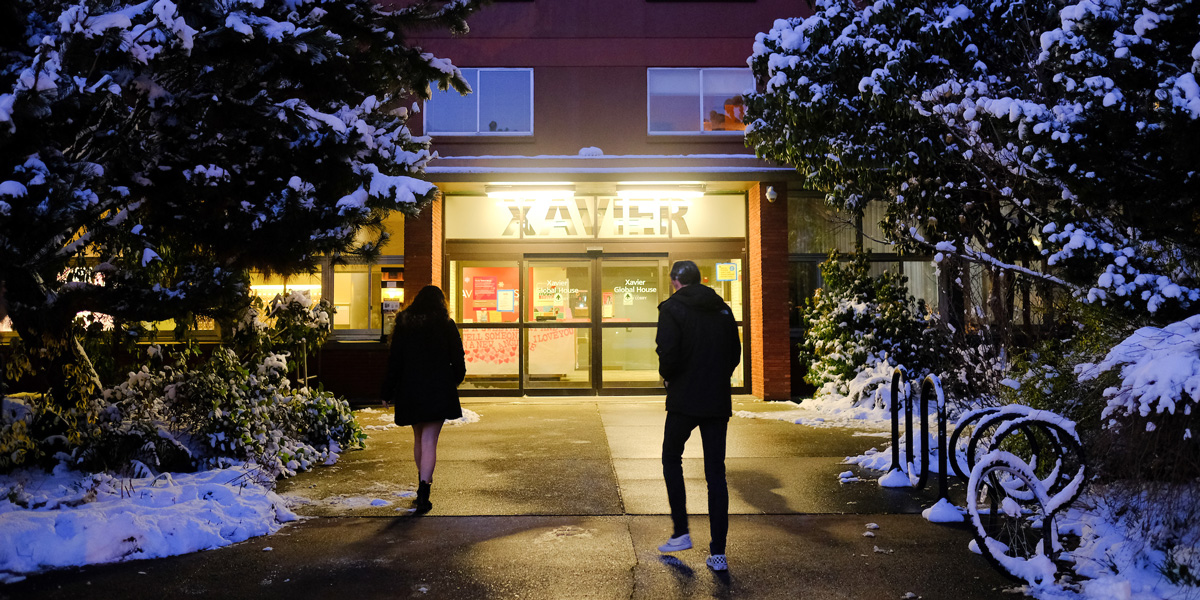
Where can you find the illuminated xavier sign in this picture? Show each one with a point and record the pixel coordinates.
(586, 217)
(594, 217)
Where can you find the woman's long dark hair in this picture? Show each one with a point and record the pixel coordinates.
(430, 301)
(429, 305)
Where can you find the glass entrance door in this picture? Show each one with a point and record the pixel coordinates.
(572, 324)
(558, 315)
(590, 322)
(630, 291)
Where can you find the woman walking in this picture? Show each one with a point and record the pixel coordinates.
(425, 366)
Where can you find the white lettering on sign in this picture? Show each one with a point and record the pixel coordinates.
(636, 285)
(586, 216)
(594, 217)
(557, 287)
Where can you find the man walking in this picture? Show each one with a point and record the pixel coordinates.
(698, 349)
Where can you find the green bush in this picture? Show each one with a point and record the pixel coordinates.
(255, 414)
(178, 411)
(18, 443)
(859, 328)
(1044, 375)
(291, 325)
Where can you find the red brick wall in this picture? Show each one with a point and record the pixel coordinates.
(590, 60)
(352, 369)
(770, 356)
(423, 249)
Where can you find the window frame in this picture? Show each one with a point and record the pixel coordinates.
(700, 122)
(475, 93)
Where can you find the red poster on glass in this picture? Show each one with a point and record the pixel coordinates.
(485, 288)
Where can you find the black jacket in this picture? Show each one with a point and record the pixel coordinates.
(425, 366)
(698, 349)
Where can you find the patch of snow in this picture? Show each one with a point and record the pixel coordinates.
(942, 512)
(12, 188)
(68, 518)
(895, 479)
(149, 256)
(469, 416)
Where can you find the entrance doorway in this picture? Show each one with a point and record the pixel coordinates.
(570, 324)
(591, 321)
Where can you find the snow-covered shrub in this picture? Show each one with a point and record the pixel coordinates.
(254, 414)
(1043, 375)
(182, 410)
(326, 420)
(998, 131)
(1160, 371)
(135, 424)
(859, 328)
(1152, 413)
(293, 325)
(17, 416)
(1135, 396)
(1145, 533)
(171, 146)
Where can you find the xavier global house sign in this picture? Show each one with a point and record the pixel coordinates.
(595, 217)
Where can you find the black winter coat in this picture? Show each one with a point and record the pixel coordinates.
(698, 349)
(425, 366)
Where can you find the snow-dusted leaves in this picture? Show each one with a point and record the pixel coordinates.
(1159, 370)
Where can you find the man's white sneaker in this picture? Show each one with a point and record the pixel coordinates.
(717, 562)
(676, 544)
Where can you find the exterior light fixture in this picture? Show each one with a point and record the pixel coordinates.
(771, 194)
(531, 191)
(655, 190)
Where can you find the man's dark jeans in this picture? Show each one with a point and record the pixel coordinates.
(712, 436)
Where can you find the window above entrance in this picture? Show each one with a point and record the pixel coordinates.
(500, 103)
(696, 101)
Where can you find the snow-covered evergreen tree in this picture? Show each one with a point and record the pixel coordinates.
(152, 152)
(992, 128)
(859, 328)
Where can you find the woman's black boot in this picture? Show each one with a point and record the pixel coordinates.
(423, 505)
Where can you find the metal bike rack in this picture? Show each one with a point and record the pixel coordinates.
(1021, 421)
(931, 383)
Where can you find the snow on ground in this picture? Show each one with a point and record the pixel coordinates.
(943, 512)
(375, 419)
(1113, 561)
(67, 518)
(815, 413)
(1114, 557)
(375, 494)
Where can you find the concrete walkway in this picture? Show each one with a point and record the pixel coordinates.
(563, 498)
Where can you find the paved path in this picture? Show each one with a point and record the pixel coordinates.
(563, 498)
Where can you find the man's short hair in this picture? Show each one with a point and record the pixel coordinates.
(685, 272)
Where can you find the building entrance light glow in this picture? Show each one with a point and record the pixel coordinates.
(660, 190)
(530, 191)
